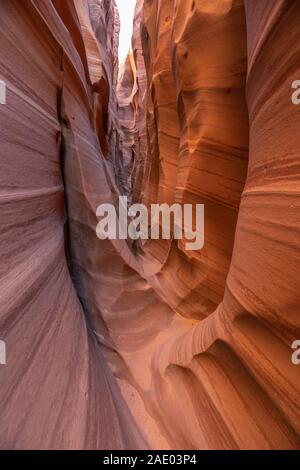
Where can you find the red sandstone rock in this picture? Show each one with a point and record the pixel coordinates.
(114, 346)
(56, 388)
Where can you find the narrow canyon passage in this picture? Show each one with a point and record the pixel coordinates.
(119, 344)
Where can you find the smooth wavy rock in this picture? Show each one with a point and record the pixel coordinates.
(238, 359)
(221, 371)
(56, 388)
(120, 345)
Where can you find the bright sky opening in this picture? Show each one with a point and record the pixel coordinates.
(126, 12)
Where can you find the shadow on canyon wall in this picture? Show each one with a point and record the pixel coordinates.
(111, 346)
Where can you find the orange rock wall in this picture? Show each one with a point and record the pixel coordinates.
(197, 137)
(57, 390)
(221, 130)
(114, 345)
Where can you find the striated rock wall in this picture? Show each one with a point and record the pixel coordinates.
(140, 136)
(117, 346)
(56, 388)
(198, 137)
(221, 371)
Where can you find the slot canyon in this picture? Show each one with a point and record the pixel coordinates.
(119, 344)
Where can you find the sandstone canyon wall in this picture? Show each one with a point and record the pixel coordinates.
(114, 344)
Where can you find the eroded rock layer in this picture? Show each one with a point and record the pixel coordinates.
(112, 344)
(56, 388)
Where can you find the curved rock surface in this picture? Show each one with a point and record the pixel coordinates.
(118, 345)
(56, 388)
